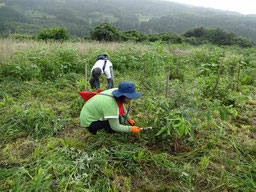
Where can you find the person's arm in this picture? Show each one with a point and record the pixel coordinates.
(116, 126)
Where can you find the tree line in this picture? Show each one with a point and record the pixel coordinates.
(107, 32)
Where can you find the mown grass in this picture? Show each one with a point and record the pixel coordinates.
(43, 147)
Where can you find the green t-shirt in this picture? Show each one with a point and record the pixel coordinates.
(101, 107)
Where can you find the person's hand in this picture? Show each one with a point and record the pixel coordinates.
(131, 121)
(135, 129)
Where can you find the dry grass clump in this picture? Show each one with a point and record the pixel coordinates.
(9, 46)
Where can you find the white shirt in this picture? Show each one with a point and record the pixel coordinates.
(100, 64)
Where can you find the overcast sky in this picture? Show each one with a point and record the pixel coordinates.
(241, 6)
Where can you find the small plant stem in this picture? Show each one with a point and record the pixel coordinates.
(72, 172)
(167, 81)
(218, 77)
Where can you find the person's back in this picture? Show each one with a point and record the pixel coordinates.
(98, 107)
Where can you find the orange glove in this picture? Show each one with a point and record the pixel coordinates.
(131, 121)
(135, 129)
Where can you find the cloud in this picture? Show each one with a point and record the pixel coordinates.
(241, 6)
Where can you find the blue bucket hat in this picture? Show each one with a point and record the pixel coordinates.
(126, 89)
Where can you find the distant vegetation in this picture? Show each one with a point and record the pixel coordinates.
(145, 16)
(196, 36)
(107, 32)
(216, 36)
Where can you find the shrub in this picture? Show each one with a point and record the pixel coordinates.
(153, 37)
(171, 38)
(243, 42)
(216, 36)
(133, 35)
(195, 32)
(58, 34)
(105, 32)
(20, 36)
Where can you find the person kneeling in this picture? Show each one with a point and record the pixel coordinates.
(108, 105)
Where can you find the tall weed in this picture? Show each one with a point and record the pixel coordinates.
(42, 64)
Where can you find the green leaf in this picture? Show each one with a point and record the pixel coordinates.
(234, 112)
(181, 129)
(208, 116)
(226, 115)
(215, 104)
(176, 119)
(62, 142)
(187, 130)
(160, 51)
(222, 115)
(161, 131)
(169, 130)
(176, 125)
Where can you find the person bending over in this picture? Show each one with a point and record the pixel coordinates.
(102, 66)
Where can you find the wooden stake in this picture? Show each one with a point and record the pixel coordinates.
(218, 77)
(85, 76)
(167, 81)
(238, 75)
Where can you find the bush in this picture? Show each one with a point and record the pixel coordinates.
(58, 34)
(216, 36)
(171, 38)
(243, 42)
(198, 32)
(133, 35)
(153, 37)
(20, 36)
(220, 37)
(105, 32)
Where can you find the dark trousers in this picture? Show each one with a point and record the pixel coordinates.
(98, 125)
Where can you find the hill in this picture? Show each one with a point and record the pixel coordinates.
(147, 16)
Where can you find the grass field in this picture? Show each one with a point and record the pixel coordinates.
(203, 139)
